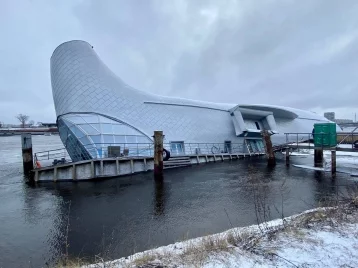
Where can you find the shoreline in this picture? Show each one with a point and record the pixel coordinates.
(269, 244)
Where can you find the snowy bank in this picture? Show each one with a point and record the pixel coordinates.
(322, 237)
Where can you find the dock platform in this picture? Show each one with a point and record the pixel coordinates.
(115, 167)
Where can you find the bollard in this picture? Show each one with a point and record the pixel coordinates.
(318, 157)
(287, 156)
(158, 154)
(270, 154)
(26, 144)
(333, 163)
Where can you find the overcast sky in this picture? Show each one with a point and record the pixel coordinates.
(300, 53)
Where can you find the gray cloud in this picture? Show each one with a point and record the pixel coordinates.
(292, 53)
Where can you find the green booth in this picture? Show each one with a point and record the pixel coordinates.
(325, 135)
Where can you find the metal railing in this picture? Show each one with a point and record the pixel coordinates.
(177, 149)
(51, 155)
(130, 150)
(341, 138)
(350, 137)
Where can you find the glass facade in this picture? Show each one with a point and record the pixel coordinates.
(88, 136)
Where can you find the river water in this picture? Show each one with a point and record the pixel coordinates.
(120, 216)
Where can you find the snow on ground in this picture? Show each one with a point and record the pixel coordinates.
(324, 237)
(347, 162)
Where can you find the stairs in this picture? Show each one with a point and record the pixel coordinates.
(177, 161)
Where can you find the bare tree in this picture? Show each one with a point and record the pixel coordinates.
(0, 124)
(32, 122)
(23, 119)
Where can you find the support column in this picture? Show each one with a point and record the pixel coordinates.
(287, 156)
(333, 163)
(270, 154)
(318, 157)
(28, 163)
(158, 154)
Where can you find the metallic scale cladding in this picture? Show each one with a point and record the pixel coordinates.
(96, 109)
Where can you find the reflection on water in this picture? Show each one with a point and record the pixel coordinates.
(159, 197)
(118, 217)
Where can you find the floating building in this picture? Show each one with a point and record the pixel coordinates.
(97, 111)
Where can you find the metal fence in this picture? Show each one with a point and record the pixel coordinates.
(130, 150)
(342, 138)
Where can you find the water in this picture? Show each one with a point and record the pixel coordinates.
(117, 217)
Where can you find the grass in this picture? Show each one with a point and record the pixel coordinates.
(145, 258)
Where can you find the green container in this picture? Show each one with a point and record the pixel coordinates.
(325, 134)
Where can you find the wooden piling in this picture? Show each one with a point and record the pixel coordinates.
(270, 154)
(287, 156)
(158, 154)
(333, 163)
(28, 163)
(318, 157)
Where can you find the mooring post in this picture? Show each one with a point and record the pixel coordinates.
(287, 156)
(158, 154)
(28, 164)
(318, 157)
(270, 154)
(333, 163)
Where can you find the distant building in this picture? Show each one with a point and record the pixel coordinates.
(330, 116)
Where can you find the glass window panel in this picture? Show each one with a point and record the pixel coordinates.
(96, 139)
(131, 139)
(97, 127)
(142, 139)
(75, 119)
(118, 129)
(130, 131)
(106, 129)
(92, 151)
(89, 129)
(103, 119)
(90, 118)
(78, 133)
(85, 141)
(120, 139)
(68, 123)
(108, 139)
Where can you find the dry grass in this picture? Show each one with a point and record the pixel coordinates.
(197, 253)
(145, 258)
(70, 263)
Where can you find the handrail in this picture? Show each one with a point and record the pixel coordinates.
(100, 150)
(350, 133)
